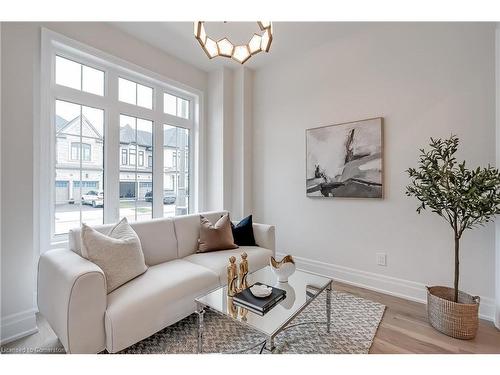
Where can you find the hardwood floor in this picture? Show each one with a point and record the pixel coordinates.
(404, 329)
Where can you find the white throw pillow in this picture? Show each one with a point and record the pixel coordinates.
(119, 254)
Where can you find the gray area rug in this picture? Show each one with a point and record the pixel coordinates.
(354, 323)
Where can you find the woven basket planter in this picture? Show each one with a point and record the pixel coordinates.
(458, 320)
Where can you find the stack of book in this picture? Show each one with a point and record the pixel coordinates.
(259, 305)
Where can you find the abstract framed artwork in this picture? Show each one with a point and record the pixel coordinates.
(345, 160)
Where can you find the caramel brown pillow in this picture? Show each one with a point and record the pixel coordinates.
(215, 237)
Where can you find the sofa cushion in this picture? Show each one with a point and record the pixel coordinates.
(243, 232)
(158, 298)
(217, 261)
(187, 230)
(217, 236)
(118, 253)
(157, 236)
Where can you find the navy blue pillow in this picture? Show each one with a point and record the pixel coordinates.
(243, 232)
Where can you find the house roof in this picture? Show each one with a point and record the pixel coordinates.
(171, 138)
(65, 127)
(60, 122)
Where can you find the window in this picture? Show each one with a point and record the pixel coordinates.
(141, 158)
(176, 157)
(81, 168)
(135, 93)
(131, 155)
(82, 128)
(124, 156)
(78, 149)
(175, 106)
(79, 77)
(136, 186)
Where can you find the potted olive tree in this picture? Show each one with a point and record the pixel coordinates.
(465, 198)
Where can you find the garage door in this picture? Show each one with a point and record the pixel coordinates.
(62, 191)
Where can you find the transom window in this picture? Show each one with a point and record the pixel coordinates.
(79, 76)
(135, 93)
(104, 165)
(175, 106)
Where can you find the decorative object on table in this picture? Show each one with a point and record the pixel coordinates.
(284, 268)
(288, 302)
(218, 236)
(232, 309)
(242, 313)
(465, 199)
(261, 290)
(258, 42)
(259, 305)
(232, 277)
(345, 160)
(243, 282)
(243, 232)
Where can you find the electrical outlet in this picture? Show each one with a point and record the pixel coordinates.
(382, 259)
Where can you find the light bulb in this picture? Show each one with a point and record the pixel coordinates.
(241, 54)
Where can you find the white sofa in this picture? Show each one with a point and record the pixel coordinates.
(72, 290)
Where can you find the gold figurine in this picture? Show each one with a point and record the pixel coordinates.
(243, 314)
(232, 277)
(243, 272)
(231, 307)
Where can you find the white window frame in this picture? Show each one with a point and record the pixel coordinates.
(53, 44)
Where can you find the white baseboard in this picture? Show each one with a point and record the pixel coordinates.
(16, 326)
(393, 286)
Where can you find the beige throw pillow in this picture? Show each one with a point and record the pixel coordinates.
(215, 237)
(119, 254)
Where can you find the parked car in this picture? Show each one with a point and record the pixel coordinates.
(93, 198)
(168, 197)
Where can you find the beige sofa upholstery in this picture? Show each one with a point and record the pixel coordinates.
(72, 291)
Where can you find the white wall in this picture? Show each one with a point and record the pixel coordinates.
(229, 141)
(20, 107)
(425, 80)
(497, 138)
(214, 148)
(241, 174)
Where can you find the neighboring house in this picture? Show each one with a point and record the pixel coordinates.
(71, 151)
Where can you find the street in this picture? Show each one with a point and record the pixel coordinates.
(67, 215)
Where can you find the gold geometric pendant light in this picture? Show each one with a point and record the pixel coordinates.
(225, 48)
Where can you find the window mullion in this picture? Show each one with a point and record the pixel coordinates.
(111, 151)
(158, 162)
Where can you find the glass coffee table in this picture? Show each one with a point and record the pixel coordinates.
(301, 289)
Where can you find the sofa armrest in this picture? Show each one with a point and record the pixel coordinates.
(265, 236)
(72, 297)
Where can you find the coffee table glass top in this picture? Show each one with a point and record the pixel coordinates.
(301, 288)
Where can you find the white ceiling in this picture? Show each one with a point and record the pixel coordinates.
(177, 39)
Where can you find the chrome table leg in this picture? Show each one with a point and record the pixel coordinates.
(270, 343)
(328, 306)
(200, 311)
